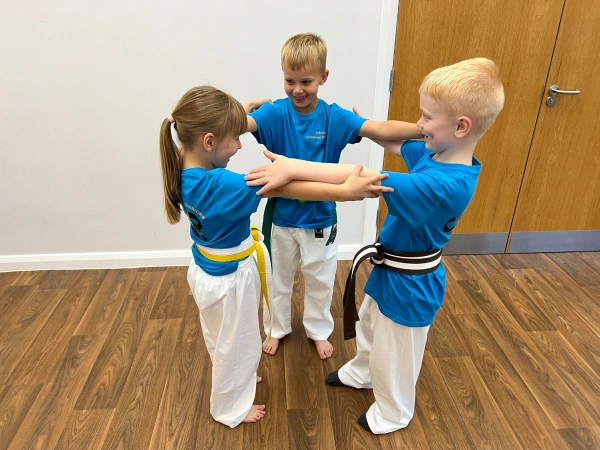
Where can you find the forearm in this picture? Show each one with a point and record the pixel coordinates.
(392, 146)
(322, 172)
(310, 191)
(325, 172)
(395, 130)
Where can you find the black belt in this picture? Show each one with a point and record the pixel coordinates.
(405, 262)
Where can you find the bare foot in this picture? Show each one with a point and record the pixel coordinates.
(258, 379)
(324, 349)
(270, 347)
(256, 413)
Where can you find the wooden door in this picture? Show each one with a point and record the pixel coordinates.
(561, 187)
(519, 36)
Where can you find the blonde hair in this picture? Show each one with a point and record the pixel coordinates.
(201, 110)
(305, 50)
(469, 88)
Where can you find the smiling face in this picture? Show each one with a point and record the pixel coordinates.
(439, 129)
(223, 150)
(302, 87)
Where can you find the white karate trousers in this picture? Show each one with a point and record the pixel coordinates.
(229, 318)
(388, 359)
(318, 264)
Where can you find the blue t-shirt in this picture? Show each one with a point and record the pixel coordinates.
(319, 136)
(219, 204)
(423, 210)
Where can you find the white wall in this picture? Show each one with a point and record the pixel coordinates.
(84, 87)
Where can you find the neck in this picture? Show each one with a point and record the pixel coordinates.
(194, 159)
(461, 154)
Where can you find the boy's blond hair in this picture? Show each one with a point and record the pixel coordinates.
(469, 88)
(305, 50)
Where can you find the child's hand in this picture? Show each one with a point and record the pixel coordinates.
(357, 187)
(272, 175)
(253, 105)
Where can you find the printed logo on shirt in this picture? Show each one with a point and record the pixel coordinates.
(317, 135)
(451, 224)
(191, 208)
(195, 221)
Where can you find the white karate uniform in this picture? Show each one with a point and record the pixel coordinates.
(388, 359)
(229, 317)
(318, 264)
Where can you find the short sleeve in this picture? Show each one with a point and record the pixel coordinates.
(415, 196)
(412, 152)
(233, 198)
(265, 117)
(346, 124)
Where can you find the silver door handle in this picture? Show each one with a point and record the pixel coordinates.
(556, 90)
(551, 101)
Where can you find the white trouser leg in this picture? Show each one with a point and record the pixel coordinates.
(355, 373)
(395, 362)
(285, 254)
(318, 265)
(229, 317)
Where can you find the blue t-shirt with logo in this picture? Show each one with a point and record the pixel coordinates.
(218, 204)
(424, 208)
(319, 136)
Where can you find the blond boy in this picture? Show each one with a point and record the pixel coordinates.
(302, 126)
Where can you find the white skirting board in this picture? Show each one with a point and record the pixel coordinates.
(115, 260)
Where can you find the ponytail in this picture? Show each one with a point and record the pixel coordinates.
(171, 171)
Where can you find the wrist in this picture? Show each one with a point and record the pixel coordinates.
(337, 193)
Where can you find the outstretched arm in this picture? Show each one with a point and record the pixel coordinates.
(355, 187)
(283, 170)
(390, 134)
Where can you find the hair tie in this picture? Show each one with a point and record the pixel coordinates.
(170, 117)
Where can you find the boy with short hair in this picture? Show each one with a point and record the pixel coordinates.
(407, 285)
(304, 127)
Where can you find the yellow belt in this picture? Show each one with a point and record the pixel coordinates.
(253, 245)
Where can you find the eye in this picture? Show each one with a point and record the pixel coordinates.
(306, 83)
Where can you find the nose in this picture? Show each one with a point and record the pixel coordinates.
(298, 89)
(420, 123)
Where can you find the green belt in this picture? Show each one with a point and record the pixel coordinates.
(268, 222)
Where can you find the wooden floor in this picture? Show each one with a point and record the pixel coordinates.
(114, 359)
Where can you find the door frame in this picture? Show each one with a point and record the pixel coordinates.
(381, 104)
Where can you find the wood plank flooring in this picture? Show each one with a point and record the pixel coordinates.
(114, 359)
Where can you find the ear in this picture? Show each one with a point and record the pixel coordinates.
(463, 126)
(324, 77)
(207, 141)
